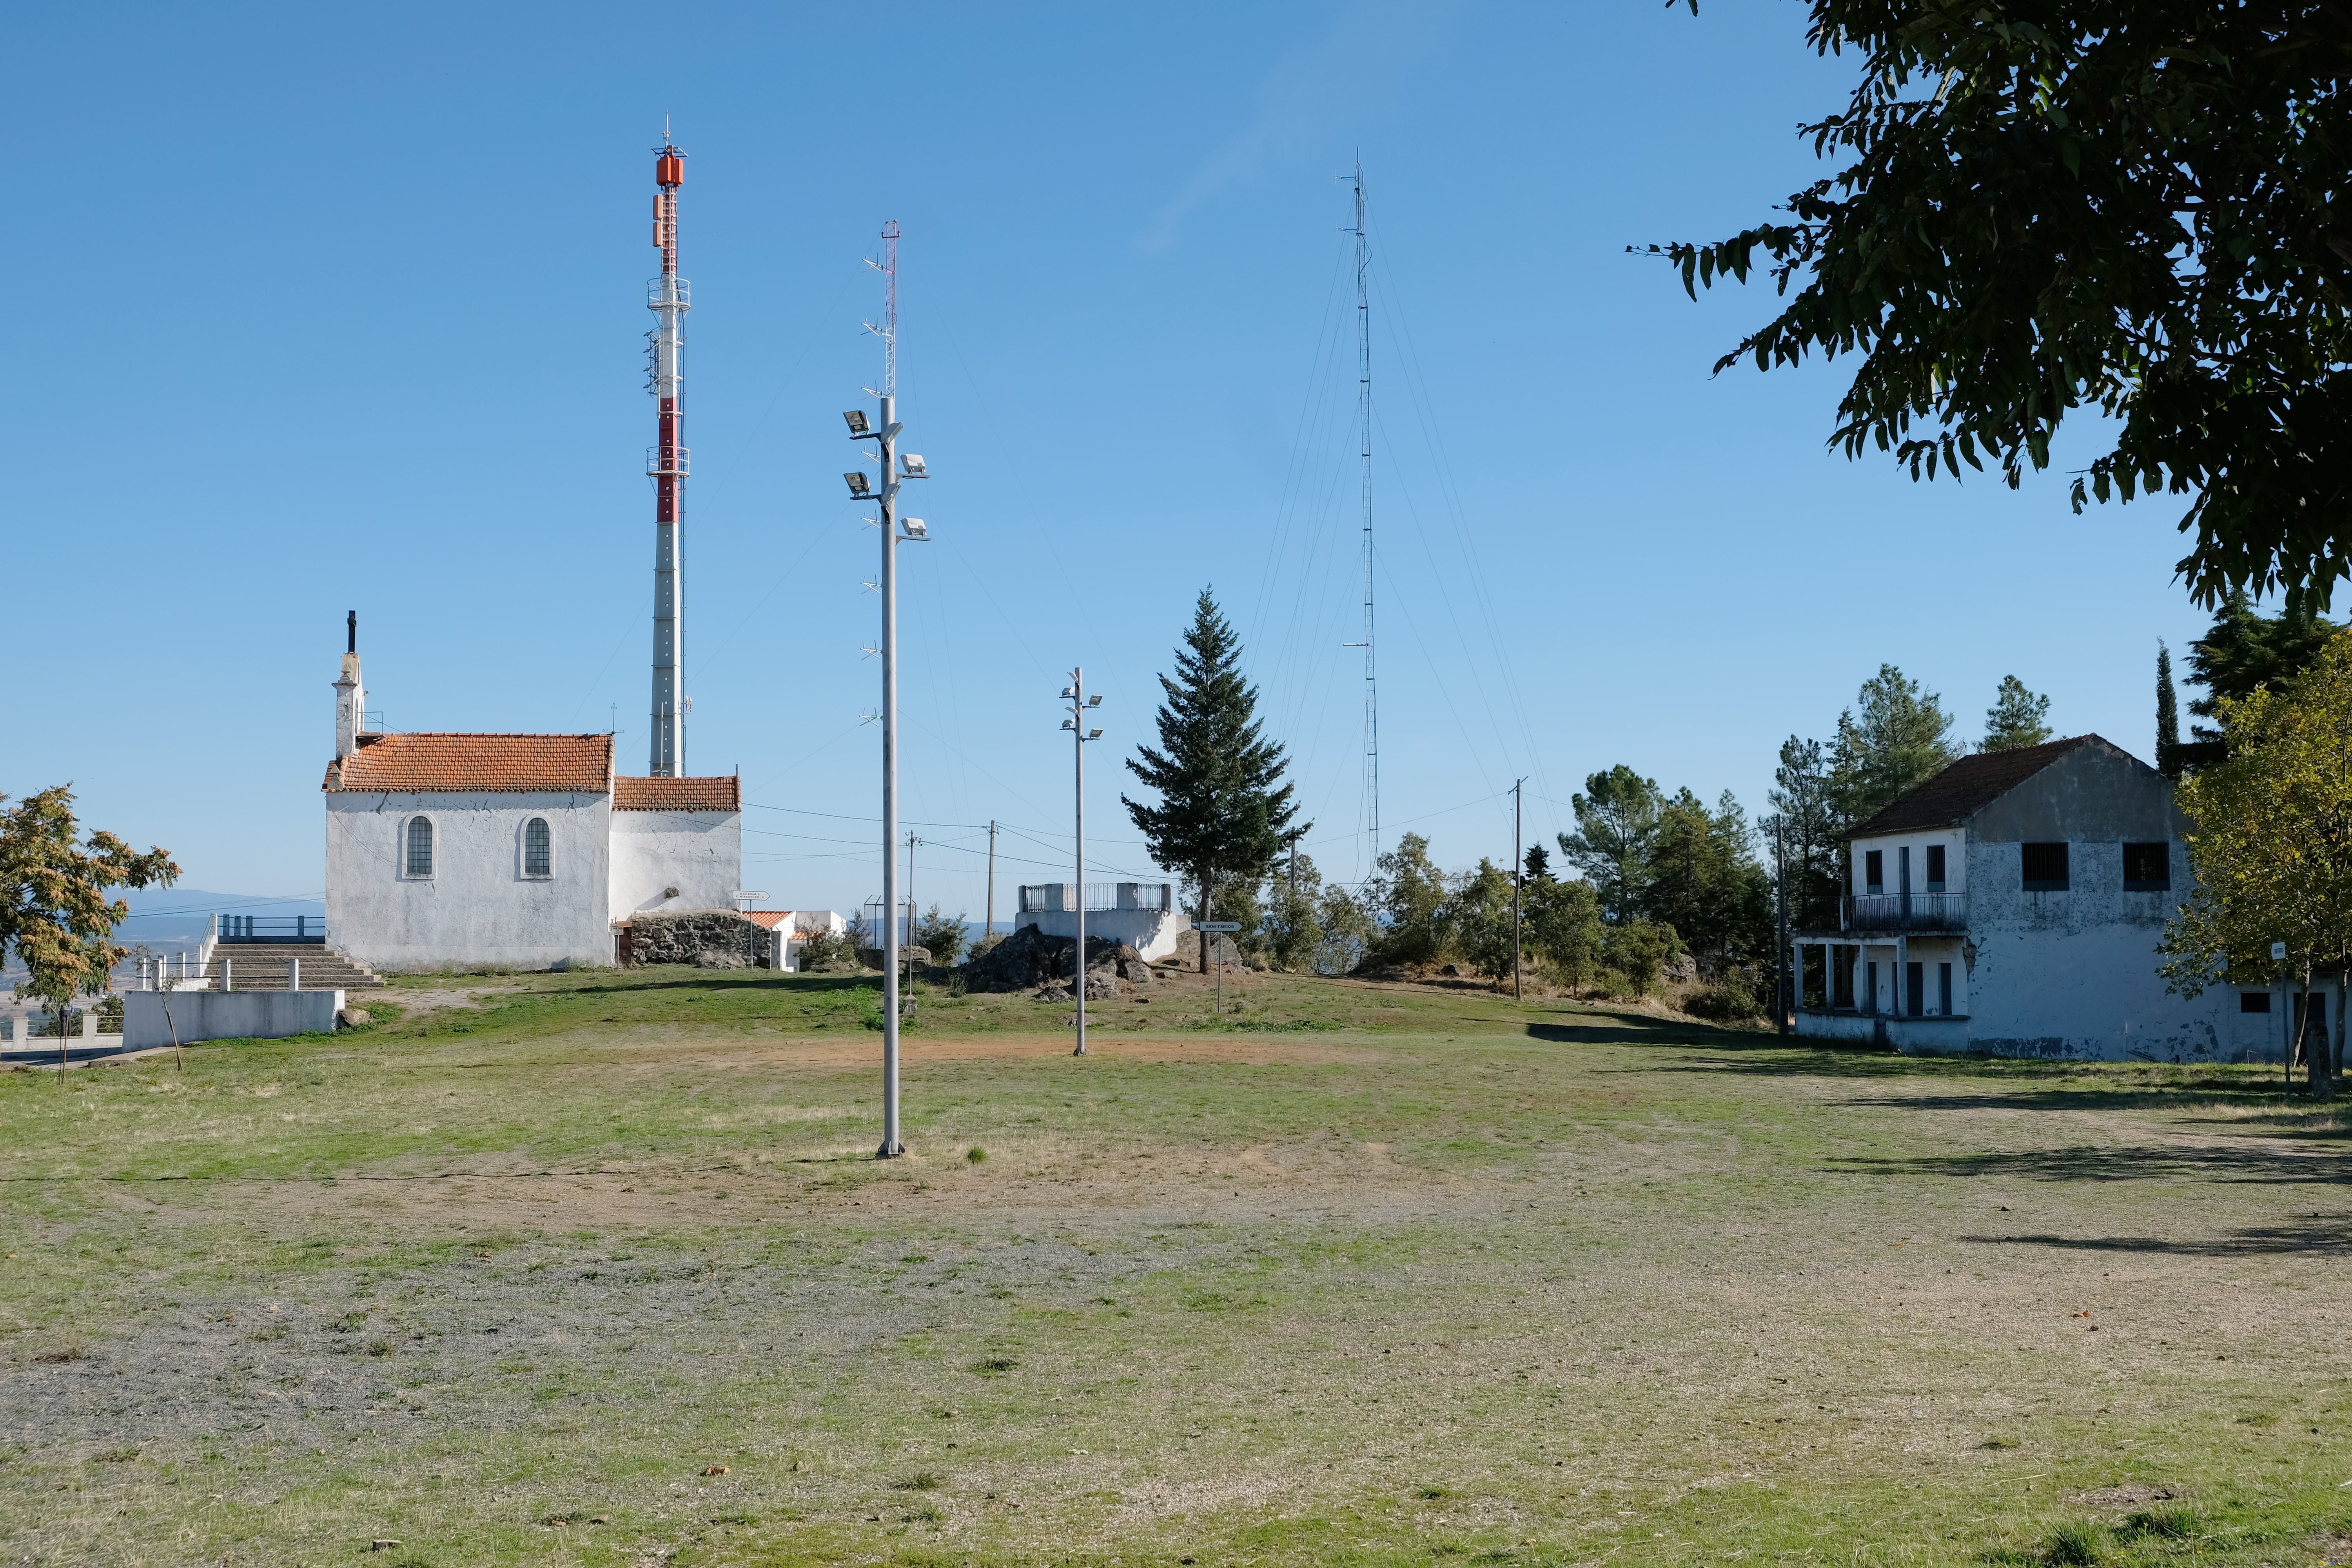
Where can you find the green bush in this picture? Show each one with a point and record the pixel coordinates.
(2078, 1543)
(1638, 950)
(1730, 1000)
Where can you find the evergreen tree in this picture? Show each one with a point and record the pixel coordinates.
(2168, 715)
(2016, 719)
(1902, 740)
(2246, 650)
(1224, 812)
(1539, 864)
(1703, 880)
(1805, 803)
(1616, 825)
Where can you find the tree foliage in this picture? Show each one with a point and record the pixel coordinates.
(2271, 844)
(1616, 828)
(2168, 715)
(942, 935)
(2126, 206)
(2245, 650)
(1900, 738)
(1223, 811)
(1704, 880)
(2017, 718)
(1408, 898)
(53, 906)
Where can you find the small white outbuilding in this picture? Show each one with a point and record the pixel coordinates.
(452, 850)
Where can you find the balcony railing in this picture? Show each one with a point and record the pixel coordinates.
(1048, 897)
(274, 930)
(1906, 911)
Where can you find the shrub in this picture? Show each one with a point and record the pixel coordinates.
(942, 934)
(827, 950)
(1731, 999)
(1638, 950)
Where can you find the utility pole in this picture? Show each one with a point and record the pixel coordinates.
(1518, 788)
(988, 927)
(885, 439)
(1080, 703)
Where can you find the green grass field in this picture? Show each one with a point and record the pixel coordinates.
(597, 1269)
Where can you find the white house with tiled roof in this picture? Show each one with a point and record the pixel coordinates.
(2011, 906)
(466, 850)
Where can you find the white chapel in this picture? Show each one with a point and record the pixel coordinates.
(466, 850)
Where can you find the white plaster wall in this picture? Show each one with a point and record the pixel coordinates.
(1954, 859)
(478, 909)
(699, 853)
(1152, 932)
(2074, 974)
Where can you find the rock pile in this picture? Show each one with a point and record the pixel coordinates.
(1029, 957)
(708, 939)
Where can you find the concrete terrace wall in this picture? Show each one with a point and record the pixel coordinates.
(478, 908)
(225, 1015)
(699, 853)
(1152, 932)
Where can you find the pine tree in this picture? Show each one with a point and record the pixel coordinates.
(2017, 718)
(2168, 715)
(1224, 812)
(1902, 740)
(1616, 828)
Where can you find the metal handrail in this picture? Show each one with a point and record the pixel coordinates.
(1906, 911)
(1055, 898)
(272, 929)
(679, 458)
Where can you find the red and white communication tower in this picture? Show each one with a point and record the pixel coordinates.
(670, 297)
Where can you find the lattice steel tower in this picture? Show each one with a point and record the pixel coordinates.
(668, 297)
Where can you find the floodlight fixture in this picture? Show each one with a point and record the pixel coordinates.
(916, 529)
(1069, 691)
(1094, 734)
(911, 464)
(857, 426)
(860, 486)
(1094, 701)
(1070, 723)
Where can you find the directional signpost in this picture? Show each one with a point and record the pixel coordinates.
(1219, 925)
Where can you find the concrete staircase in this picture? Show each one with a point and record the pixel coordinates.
(265, 967)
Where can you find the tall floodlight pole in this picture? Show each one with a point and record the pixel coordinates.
(1364, 412)
(894, 469)
(668, 297)
(988, 927)
(1080, 703)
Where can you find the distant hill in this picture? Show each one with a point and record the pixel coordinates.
(170, 917)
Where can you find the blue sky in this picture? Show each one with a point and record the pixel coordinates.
(332, 307)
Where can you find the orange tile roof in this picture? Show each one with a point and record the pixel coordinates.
(768, 919)
(536, 764)
(722, 793)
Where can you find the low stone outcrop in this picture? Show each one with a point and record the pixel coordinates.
(708, 939)
(1029, 957)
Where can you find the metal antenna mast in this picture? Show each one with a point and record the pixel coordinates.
(668, 297)
(1364, 406)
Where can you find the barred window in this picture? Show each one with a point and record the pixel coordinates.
(536, 855)
(420, 847)
(2148, 868)
(2045, 868)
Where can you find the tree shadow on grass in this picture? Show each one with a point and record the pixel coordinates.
(2112, 1162)
(2331, 1236)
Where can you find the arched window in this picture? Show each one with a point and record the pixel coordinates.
(536, 855)
(419, 859)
